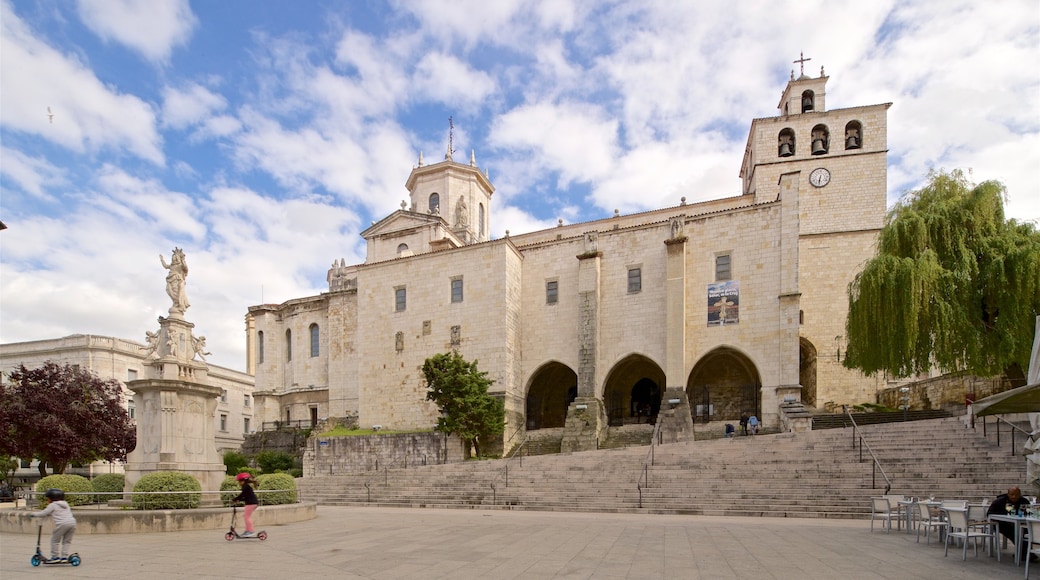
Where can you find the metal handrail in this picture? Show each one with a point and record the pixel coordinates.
(644, 476)
(98, 500)
(877, 464)
(1013, 427)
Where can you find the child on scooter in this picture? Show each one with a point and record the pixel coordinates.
(249, 498)
(64, 524)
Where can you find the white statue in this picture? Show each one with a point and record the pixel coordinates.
(152, 338)
(199, 346)
(177, 279)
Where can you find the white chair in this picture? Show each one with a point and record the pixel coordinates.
(881, 508)
(1033, 526)
(902, 510)
(927, 521)
(959, 529)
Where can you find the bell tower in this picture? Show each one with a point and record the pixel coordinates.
(458, 193)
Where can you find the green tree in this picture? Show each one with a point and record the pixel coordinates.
(460, 390)
(953, 285)
(61, 414)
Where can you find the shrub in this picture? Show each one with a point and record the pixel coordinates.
(76, 487)
(272, 461)
(235, 462)
(149, 491)
(283, 482)
(107, 483)
(228, 489)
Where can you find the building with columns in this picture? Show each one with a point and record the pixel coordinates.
(694, 313)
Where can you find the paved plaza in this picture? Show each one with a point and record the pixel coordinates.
(396, 543)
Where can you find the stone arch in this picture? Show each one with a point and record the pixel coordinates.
(820, 139)
(551, 390)
(726, 382)
(634, 379)
(808, 101)
(807, 370)
(853, 135)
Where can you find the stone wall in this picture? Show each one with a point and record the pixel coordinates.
(340, 455)
(945, 392)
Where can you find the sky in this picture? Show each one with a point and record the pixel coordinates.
(263, 137)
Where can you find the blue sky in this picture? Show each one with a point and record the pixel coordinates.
(262, 137)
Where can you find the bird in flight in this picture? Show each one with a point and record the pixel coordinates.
(50, 115)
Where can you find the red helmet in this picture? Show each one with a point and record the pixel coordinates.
(242, 476)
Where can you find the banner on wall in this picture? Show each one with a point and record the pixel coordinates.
(724, 303)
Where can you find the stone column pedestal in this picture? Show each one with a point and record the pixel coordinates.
(674, 417)
(175, 433)
(586, 425)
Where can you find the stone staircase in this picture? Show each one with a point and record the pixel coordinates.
(813, 474)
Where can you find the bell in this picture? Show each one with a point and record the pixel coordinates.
(785, 150)
(852, 142)
(818, 147)
(807, 104)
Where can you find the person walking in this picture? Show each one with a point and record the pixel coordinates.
(752, 423)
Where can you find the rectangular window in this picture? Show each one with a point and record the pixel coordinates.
(400, 299)
(131, 409)
(131, 375)
(245, 400)
(722, 267)
(223, 396)
(223, 422)
(635, 279)
(245, 425)
(456, 290)
(552, 291)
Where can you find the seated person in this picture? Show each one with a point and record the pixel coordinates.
(1014, 498)
(729, 429)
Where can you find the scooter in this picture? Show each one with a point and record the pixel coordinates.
(232, 534)
(37, 559)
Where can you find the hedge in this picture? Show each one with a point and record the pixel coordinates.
(148, 491)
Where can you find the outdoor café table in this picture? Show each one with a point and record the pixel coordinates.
(1019, 523)
(907, 505)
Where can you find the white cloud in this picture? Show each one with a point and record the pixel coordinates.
(575, 139)
(151, 27)
(32, 174)
(88, 115)
(193, 105)
(446, 79)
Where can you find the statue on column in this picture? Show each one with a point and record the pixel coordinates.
(176, 280)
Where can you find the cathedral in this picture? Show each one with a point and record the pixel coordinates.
(697, 314)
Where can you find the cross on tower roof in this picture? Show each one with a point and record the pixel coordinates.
(801, 61)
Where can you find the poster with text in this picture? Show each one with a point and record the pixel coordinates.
(724, 303)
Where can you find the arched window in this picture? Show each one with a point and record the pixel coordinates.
(260, 347)
(808, 101)
(288, 345)
(435, 203)
(853, 135)
(314, 341)
(821, 140)
(785, 143)
(480, 219)
(402, 249)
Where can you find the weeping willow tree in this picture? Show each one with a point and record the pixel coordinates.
(953, 285)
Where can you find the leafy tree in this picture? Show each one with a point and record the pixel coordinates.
(272, 461)
(61, 415)
(235, 462)
(460, 390)
(953, 285)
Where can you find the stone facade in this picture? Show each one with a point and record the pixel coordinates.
(732, 306)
